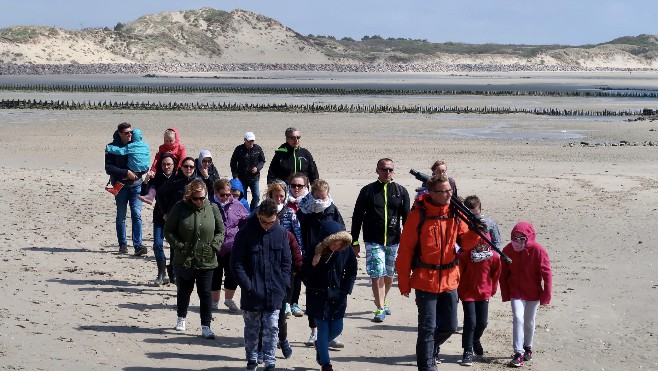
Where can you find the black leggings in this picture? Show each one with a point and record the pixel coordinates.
(296, 289)
(476, 315)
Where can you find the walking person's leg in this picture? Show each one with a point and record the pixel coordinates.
(184, 288)
(252, 325)
(121, 200)
(203, 289)
(270, 336)
(426, 303)
(136, 218)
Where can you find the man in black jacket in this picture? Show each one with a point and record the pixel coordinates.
(261, 264)
(291, 158)
(247, 161)
(116, 166)
(381, 208)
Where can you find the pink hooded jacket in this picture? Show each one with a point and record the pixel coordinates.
(530, 267)
(176, 149)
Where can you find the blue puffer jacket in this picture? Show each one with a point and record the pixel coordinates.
(261, 264)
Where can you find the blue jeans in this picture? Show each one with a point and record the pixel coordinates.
(128, 195)
(437, 321)
(255, 192)
(158, 242)
(252, 329)
(327, 331)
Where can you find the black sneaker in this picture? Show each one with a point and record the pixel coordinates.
(477, 348)
(435, 355)
(140, 250)
(270, 367)
(517, 360)
(527, 356)
(252, 366)
(467, 358)
(123, 249)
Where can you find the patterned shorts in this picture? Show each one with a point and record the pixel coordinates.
(380, 260)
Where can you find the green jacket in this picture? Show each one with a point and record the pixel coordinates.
(195, 234)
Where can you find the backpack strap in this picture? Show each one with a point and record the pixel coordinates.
(416, 262)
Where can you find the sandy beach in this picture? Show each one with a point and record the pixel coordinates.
(70, 301)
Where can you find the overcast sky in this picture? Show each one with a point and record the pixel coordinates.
(568, 22)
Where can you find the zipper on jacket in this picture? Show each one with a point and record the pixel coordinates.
(385, 214)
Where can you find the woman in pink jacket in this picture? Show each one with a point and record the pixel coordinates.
(527, 283)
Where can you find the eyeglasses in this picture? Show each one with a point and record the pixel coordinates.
(386, 169)
(297, 186)
(167, 164)
(295, 138)
(188, 166)
(129, 132)
(207, 161)
(445, 192)
(198, 198)
(224, 194)
(265, 222)
(520, 239)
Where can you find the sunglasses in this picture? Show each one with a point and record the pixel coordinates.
(295, 138)
(224, 194)
(207, 161)
(445, 192)
(129, 132)
(297, 186)
(198, 198)
(520, 239)
(188, 166)
(387, 169)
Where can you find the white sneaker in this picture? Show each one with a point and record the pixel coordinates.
(336, 344)
(311, 339)
(180, 324)
(232, 307)
(207, 333)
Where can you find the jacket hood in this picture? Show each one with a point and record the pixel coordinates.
(137, 135)
(527, 229)
(330, 232)
(237, 184)
(203, 154)
(176, 135)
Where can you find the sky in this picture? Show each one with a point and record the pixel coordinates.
(534, 22)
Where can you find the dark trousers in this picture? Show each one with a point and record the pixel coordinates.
(437, 321)
(185, 279)
(223, 270)
(476, 317)
(296, 289)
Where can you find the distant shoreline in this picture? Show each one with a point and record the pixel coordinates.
(155, 68)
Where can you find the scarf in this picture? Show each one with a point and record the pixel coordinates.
(310, 205)
(480, 256)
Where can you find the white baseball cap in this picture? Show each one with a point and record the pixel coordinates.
(249, 136)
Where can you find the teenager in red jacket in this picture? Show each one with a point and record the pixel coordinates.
(527, 283)
(479, 269)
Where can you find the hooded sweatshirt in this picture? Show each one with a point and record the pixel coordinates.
(530, 267)
(213, 174)
(176, 149)
(137, 151)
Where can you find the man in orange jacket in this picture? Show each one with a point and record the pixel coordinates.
(427, 262)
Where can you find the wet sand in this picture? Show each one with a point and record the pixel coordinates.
(69, 300)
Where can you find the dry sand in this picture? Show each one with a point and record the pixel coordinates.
(69, 301)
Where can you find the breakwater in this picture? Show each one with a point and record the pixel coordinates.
(303, 108)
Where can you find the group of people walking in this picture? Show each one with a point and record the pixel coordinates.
(296, 235)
